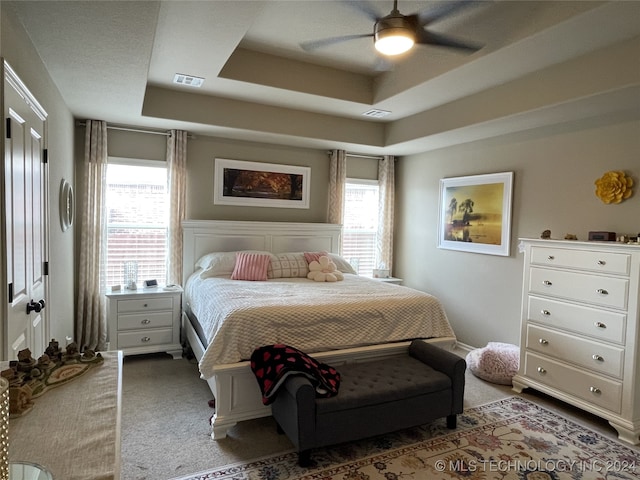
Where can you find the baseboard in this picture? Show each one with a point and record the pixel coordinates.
(464, 346)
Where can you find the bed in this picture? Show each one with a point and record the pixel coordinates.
(224, 320)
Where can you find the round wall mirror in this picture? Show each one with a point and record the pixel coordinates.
(66, 205)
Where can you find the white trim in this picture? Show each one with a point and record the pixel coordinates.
(137, 162)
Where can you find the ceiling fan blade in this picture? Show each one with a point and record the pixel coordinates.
(325, 42)
(442, 10)
(363, 7)
(429, 38)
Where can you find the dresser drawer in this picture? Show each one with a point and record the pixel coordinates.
(132, 321)
(595, 356)
(590, 387)
(595, 289)
(144, 304)
(597, 323)
(605, 262)
(145, 338)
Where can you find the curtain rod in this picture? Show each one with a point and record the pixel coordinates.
(360, 155)
(130, 129)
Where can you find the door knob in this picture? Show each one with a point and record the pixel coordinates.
(35, 306)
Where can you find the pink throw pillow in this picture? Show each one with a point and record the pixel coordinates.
(314, 256)
(250, 266)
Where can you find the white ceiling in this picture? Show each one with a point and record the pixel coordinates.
(116, 61)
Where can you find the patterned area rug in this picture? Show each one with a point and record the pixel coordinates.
(508, 439)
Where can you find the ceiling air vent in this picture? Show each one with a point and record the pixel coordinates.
(188, 80)
(375, 113)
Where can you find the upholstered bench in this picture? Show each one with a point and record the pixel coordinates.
(375, 398)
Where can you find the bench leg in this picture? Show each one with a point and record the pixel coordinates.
(452, 421)
(304, 458)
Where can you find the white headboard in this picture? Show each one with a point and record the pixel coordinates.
(206, 236)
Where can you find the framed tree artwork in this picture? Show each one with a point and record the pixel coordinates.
(260, 184)
(475, 213)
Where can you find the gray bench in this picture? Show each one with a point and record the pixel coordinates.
(375, 398)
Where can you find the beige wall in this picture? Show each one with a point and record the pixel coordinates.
(16, 48)
(555, 169)
(201, 153)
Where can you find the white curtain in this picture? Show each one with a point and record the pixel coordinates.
(384, 241)
(91, 321)
(177, 181)
(337, 180)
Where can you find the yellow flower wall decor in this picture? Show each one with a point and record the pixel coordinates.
(614, 187)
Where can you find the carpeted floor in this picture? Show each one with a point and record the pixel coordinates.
(166, 433)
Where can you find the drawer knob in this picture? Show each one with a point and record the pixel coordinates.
(597, 357)
(547, 283)
(541, 370)
(542, 341)
(546, 313)
(145, 305)
(146, 321)
(595, 390)
(600, 325)
(602, 262)
(551, 257)
(602, 291)
(145, 339)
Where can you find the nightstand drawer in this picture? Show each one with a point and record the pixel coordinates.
(145, 304)
(145, 338)
(134, 321)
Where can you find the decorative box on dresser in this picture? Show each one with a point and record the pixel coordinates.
(579, 334)
(146, 320)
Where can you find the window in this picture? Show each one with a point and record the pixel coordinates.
(360, 227)
(137, 211)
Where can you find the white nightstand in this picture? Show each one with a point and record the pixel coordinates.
(393, 280)
(146, 320)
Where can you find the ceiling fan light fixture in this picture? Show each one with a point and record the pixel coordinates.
(390, 42)
(394, 34)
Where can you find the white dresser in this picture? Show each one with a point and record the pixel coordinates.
(579, 332)
(145, 321)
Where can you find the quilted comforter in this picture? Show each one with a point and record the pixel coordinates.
(239, 316)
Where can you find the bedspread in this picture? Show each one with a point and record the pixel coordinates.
(240, 316)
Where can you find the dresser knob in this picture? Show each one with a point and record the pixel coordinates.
(602, 291)
(597, 357)
(546, 313)
(547, 283)
(541, 370)
(146, 321)
(600, 325)
(601, 262)
(595, 390)
(145, 339)
(145, 305)
(551, 257)
(542, 341)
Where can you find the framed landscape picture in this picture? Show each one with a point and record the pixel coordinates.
(475, 213)
(260, 184)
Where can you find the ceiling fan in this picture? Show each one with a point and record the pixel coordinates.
(396, 33)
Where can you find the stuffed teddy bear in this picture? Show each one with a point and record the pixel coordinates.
(324, 270)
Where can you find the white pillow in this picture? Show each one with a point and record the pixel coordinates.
(342, 264)
(219, 264)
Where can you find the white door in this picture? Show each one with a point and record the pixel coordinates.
(25, 207)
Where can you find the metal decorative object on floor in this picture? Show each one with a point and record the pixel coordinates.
(30, 378)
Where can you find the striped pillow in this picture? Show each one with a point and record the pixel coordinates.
(314, 256)
(251, 266)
